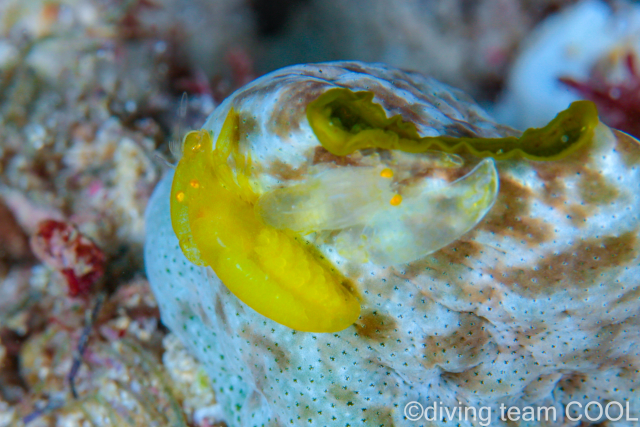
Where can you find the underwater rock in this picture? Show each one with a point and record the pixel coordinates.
(431, 254)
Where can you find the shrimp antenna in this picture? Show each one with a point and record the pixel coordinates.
(175, 144)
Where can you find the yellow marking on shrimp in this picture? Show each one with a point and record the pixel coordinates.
(395, 200)
(386, 173)
(194, 183)
(180, 196)
(272, 271)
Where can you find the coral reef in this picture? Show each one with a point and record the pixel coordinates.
(87, 95)
(534, 306)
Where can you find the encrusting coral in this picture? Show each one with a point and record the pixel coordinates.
(530, 301)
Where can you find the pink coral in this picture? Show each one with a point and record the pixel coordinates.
(61, 246)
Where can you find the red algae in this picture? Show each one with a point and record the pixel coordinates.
(618, 102)
(61, 246)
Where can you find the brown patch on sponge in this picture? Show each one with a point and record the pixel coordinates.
(286, 172)
(356, 67)
(257, 91)
(460, 129)
(498, 376)
(461, 348)
(222, 316)
(479, 294)
(247, 124)
(575, 267)
(282, 358)
(628, 367)
(572, 383)
(418, 268)
(595, 189)
(393, 103)
(541, 387)
(321, 155)
(593, 186)
(294, 100)
(553, 190)
(377, 416)
(374, 326)
(509, 215)
(578, 215)
(458, 252)
(630, 296)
